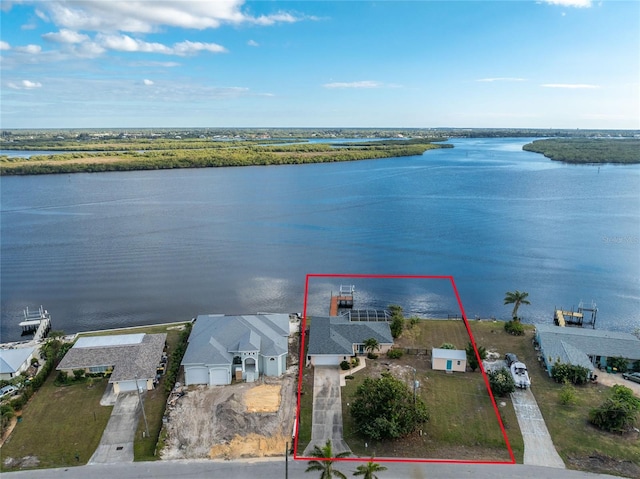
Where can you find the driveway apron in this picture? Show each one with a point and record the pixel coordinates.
(538, 447)
(116, 444)
(327, 410)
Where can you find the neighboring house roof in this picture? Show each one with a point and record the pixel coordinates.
(337, 335)
(132, 356)
(12, 359)
(593, 342)
(215, 339)
(560, 351)
(456, 354)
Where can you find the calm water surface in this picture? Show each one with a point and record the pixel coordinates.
(121, 249)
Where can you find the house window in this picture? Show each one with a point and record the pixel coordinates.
(98, 369)
(458, 363)
(272, 359)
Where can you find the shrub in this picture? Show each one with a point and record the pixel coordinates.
(568, 395)
(349, 376)
(619, 364)
(396, 326)
(514, 327)
(78, 374)
(413, 320)
(563, 373)
(355, 361)
(344, 365)
(394, 353)
(618, 412)
(472, 360)
(372, 355)
(501, 382)
(447, 346)
(62, 378)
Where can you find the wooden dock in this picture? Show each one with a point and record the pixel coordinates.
(344, 300)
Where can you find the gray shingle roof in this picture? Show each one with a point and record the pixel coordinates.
(215, 338)
(337, 335)
(129, 360)
(592, 342)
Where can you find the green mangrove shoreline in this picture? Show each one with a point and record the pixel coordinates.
(229, 155)
(588, 150)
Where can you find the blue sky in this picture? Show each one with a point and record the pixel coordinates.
(193, 63)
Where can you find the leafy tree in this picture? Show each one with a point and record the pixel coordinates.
(385, 408)
(618, 412)
(501, 382)
(516, 298)
(447, 346)
(568, 395)
(371, 345)
(394, 353)
(325, 463)
(368, 470)
(397, 320)
(472, 360)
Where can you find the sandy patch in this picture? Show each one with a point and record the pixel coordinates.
(263, 398)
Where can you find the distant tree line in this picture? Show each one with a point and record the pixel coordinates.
(588, 150)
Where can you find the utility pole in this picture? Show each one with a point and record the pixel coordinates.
(286, 460)
(414, 386)
(146, 425)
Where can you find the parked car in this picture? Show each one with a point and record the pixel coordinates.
(635, 377)
(8, 391)
(510, 358)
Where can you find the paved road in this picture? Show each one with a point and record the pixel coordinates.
(327, 410)
(116, 445)
(275, 469)
(538, 446)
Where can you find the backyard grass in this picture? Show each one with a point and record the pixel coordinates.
(61, 426)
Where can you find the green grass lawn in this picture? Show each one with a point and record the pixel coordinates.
(57, 424)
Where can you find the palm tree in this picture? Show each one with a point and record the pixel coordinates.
(516, 298)
(369, 470)
(325, 466)
(371, 345)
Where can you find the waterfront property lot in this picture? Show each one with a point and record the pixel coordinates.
(62, 426)
(580, 445)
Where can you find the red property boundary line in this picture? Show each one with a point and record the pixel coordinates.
(475, 348)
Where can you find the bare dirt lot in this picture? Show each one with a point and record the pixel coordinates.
(238, 420)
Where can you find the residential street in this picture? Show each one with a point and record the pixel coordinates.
(275, 469)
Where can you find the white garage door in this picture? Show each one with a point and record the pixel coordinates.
(218, 376)
(127, 386)
(196, 376)
(327, 360)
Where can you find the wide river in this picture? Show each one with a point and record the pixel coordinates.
(105, 250)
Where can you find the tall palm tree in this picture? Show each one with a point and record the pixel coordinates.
(371, 345)
(369, 470)
(516, 298)
(325, 466)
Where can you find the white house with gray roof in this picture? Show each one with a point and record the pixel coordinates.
(335, 339)
(584, 347)
(244, 347)
(15, 361)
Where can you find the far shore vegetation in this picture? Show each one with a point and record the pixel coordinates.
(147, 154)
(588, 150)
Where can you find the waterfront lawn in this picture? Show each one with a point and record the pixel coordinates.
(60, 426)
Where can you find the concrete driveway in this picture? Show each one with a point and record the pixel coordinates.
(327, 410)
(538, 447)
(116, 445)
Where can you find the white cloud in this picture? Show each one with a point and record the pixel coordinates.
(65, 36)
(187, 48)
(31, 49)
(570, 85)
(145, 16)
(355, 84)
(4, 45)
(253, 43)
(24, 85)
(147, 82)
(570, 3)
(507, 79)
